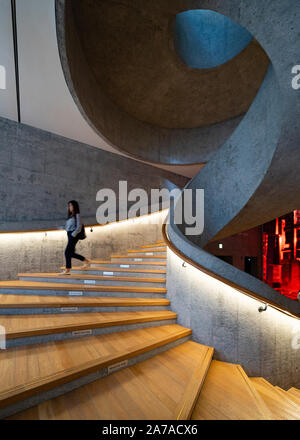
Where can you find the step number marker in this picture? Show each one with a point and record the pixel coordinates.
(116, 367)
(69, 309)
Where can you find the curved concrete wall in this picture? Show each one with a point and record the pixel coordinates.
(253, 178)
(223, 318)
(140, 75)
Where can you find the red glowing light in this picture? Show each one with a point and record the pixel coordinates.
(281, 254)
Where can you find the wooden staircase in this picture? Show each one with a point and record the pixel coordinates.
(102, 343)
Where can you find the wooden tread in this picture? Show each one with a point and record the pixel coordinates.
(228, 394)
(21, 326)
(293, 400)
(189, 399)
(281, 408)
(149, 246)
(295, 392)
(120, 269)
(160, 257)
(145, 263)
(35, 285)
(39, 301)
(143, 251)
(72, 359)
(77, 276)
(151, 390)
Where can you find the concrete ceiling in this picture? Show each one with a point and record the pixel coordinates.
(138, 94)
(53, 98)
(129, 48)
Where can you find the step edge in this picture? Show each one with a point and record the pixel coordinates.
(189, 399)
(257, 398)
(81, 287)
(89, 325)
(70, 374)
(286, 409)
(274, 392)
(84, 303)
(78, 276)
(287, 398)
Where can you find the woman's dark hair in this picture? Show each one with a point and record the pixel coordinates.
(76, 208)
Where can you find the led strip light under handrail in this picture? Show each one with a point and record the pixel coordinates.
(243, 290)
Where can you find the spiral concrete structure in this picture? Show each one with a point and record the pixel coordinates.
(136, 82)
(250, 176)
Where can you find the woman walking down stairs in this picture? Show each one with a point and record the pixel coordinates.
(103, 343)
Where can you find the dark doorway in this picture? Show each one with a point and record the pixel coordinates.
(227, 258)
(251, 266)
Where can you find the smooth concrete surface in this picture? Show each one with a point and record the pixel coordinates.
(44, 252)
(230, 273)
(129, 48)
(108, 116)
(205, 39)
(46, 101)
(40, 172)
(254, 176)
(225, 319)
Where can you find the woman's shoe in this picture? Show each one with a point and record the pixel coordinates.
(65, 272)
(87, 263)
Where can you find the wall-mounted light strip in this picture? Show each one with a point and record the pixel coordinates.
(92, 227)
(16, 55)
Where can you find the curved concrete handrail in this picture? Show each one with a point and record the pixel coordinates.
(233, 277)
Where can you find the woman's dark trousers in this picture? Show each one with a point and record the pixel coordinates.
(70, 250)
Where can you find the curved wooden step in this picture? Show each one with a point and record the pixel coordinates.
(130, 256)
(128, 262)
(34, 285)
(228, 394)
(38, 301)
(76, 359)
(280, 408)
(23, 326)
(129, 270)
(293, 400)
(145, 251)
(154, 246)
(295, 392)
(84, 277)
(151, 390)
